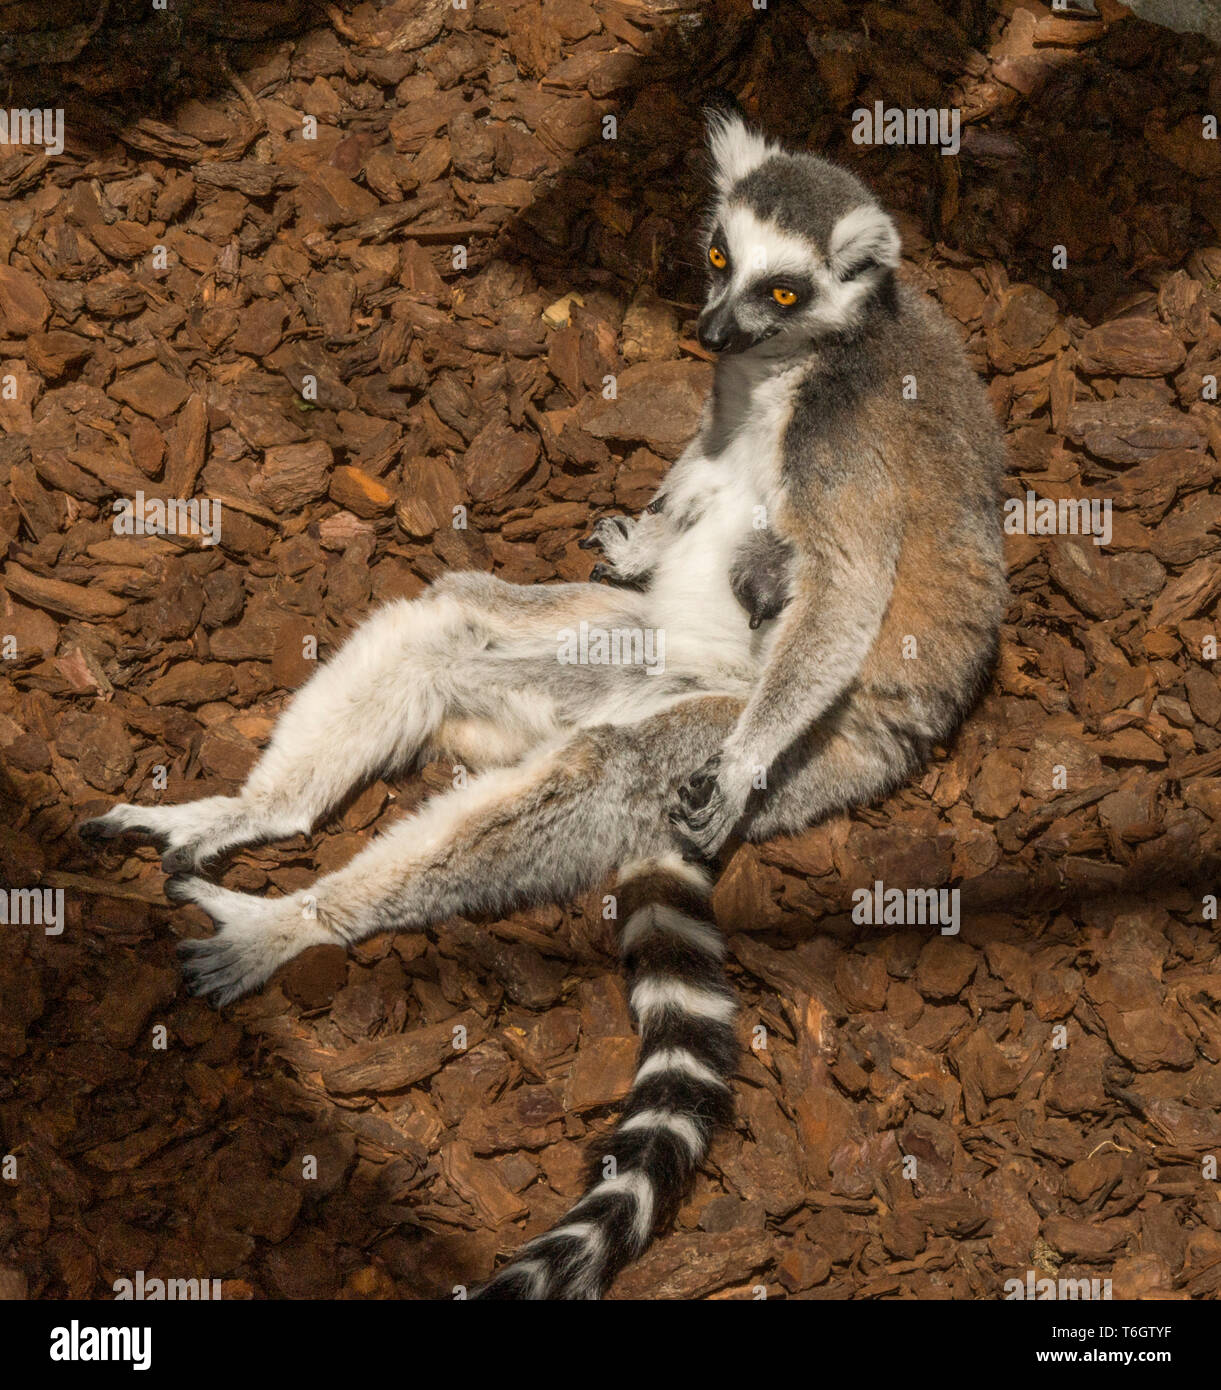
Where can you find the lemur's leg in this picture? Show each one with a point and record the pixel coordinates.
(472, 666)
(543, 831)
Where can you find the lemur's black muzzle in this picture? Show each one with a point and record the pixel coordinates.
(719, 332)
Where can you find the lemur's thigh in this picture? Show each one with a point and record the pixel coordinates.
(513, 683)
(544, 831)
(471, 666)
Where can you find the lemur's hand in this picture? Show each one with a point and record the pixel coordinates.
(762, 605)
(610, 535)
(608, 532)
(711, 802)
(761, 576)
(629, 548)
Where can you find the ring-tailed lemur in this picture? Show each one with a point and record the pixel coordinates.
(825, 562)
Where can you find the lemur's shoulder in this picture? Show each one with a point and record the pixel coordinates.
(895, 400)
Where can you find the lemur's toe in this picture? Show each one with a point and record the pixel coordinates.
(206, 974)
(237, 958)
(111, 827)
(181, 888)
(193, 976)
(179, 861)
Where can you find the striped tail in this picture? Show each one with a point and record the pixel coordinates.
(684, 1009)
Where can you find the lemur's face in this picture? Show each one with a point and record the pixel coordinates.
(796, 246)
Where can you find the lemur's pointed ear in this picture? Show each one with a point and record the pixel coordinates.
(736, 149)
(863, 237)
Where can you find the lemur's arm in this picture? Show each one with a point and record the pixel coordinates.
(842, 585)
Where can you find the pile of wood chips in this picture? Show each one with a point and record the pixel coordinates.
(312, 352)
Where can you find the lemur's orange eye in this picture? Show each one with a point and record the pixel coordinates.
(717, 257)
(785, 297)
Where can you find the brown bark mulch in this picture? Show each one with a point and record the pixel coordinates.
(1054, 1070)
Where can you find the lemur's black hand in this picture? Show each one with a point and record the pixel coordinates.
(696, 792)
(765, 607)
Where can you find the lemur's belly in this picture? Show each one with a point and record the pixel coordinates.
(707, 629)
(723, 488)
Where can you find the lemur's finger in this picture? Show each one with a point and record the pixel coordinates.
(698, 789)
(605, 529)
(697, 812)
(598, 536)
(695, 798)
(600, 571)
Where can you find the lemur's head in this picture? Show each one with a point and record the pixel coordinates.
(795, 248)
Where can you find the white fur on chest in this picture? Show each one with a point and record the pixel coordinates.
(729, 495)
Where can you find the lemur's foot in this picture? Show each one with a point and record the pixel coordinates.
(190, 834)
(183, 860)
(119, 820)
(761, 577)
(147, 822)
(254, 937)
(763, 608)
